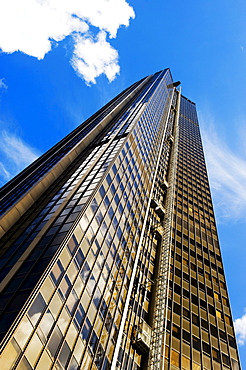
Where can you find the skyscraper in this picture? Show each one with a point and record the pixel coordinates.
(109, 252)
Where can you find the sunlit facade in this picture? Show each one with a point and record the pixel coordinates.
(109, 252)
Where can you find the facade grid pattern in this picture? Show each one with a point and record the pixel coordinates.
(80, 268)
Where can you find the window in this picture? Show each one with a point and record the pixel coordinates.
(186, 336)
(80, 313)
(185, 363)
(215, 355)
(204, 324)
(206, 347)
(65, 286)
(177, 308)
(228, 320)
(176, 331)
(232, 342)
(64, 354)
(10, 354)
(196, 343)
(46, 323)
(54, 341)
(218, 314)
(86, 329)
(57, 272)
(186, 313)
(71, 302)
(225, 301)
(36, 309)
(175, 358)
(211, 310)
(225, 359)
(196, 366)
(93, 341)
(216, 296)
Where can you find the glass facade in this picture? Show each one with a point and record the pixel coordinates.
(109, 250)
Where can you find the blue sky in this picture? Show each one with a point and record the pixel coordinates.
(60, 61)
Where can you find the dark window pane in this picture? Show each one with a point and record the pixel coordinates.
(86, 329)
(64, 354)
(80, 314)
(36, 308)
(79, 258)
(54, 341)
(196, 344)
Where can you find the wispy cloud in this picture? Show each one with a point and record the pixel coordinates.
(34, 26)
(4, 173)
(227, 174)
(3, 84)
(240, 329)
(15, 155)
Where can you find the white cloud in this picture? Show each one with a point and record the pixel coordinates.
(92, 58)
(33, 26)
(15, 154)
(240, 329)
(227, 174)
(3, 84)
